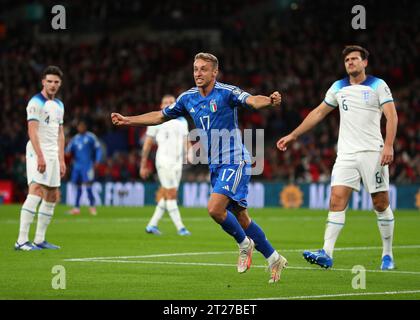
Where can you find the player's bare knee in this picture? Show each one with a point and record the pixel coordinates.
(242, 216)
(337, 202)
(244, 220)
(380, 205)
(380, 201)
(171, 194)
(35, 189)
(51, 195)
(217, 215)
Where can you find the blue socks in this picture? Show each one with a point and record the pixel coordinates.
(261, 243)
(78, 195)
(232, 227)
(90, 196)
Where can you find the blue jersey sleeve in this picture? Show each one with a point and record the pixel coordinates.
(95, 147)
(176, 109)
(238, 98)
(69, 147)
(98, 151)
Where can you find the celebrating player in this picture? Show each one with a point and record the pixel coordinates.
(45, 164)
(213, 107)
(87, 153)
(171, 138)
(362, 153)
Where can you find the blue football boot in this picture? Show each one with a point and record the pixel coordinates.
(153, 230)
(319, 257)
(184, 232)
(46, 245)
(387, 263)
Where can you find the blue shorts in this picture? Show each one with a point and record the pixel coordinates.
(79, 176)
(232, 181)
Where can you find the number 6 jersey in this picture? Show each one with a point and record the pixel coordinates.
(360, 108)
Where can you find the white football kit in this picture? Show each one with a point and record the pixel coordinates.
(49, 114)
(360, 141)
(170, 137)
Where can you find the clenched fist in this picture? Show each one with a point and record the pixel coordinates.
(283, 142)
(275, 99)
(118, 119)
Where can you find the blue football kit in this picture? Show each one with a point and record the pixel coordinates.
(216, 115)
(86, 151)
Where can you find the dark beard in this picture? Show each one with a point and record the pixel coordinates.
(355, 74)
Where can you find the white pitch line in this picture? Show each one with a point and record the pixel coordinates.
(342, 295)
(155, 255)
(231, 252)
(229, 265)
(163, 262)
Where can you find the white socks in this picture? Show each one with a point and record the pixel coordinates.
(27, 214)
(172, 207)
(159, 211)
(386, 228)
(273, 258)
(335, 223)
(244, 244)
(45, 213)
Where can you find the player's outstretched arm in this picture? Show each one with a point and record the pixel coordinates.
(148, 119)
(311, 120)
(258, 102)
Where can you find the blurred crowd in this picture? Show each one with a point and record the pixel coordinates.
(295, 50)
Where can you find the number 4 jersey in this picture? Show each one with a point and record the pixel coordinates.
(360, 108)
(49, 114)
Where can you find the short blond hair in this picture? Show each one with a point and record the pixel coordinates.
(208, 57)
(168, 95)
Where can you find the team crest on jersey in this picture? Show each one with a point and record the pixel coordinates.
(366, 95)
(213, 105)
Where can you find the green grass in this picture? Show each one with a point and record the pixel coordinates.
(119, 232)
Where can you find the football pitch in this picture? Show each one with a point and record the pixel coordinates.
(110, 256)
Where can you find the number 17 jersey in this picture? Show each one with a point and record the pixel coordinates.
(217, 116)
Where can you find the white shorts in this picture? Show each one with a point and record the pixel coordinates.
(169, 177)
(349, 169)
(50, 177)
